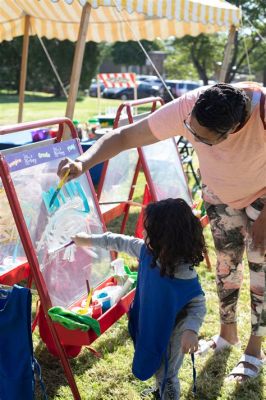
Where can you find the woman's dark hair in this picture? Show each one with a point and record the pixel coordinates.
(221, 107)
(173, 235)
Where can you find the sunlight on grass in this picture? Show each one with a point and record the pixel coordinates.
(42, 106)
(110, 377)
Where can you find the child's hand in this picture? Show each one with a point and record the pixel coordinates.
(81, 239)
(189, 342)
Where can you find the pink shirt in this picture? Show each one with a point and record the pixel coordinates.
(235, 169)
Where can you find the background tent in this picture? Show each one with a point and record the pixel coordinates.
(109, 20)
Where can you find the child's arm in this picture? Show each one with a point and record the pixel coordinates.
(196, 310)
(110, 241)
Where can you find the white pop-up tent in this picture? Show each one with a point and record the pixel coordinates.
(111, 20)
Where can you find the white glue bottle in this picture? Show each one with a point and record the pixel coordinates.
(125, 289)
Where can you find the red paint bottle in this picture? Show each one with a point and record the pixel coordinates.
(96, 309)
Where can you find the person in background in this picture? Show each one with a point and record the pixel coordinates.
(226, 126)
(169, 304)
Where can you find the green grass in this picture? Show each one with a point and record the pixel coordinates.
(110, 377)
(42, 106)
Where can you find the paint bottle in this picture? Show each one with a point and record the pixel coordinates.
(125, 289)
(105, 299)
(96, 309)
(118, 267)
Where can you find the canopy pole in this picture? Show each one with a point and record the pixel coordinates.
(227, 53)
(77, 63)
(23, 71)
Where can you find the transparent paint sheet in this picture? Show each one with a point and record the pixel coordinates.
(64, 271)
(166, 170)
(119, 176)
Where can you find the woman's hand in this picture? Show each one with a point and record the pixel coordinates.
(81, 239)
(75, 167)
(258, 231)
(189, 342)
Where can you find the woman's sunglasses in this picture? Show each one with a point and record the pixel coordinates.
(200, 138)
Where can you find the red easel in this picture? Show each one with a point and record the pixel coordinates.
(111, 210)
(60, 335)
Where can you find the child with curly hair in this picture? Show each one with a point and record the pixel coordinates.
(169, 304)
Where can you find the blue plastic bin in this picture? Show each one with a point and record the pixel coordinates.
(95, 171)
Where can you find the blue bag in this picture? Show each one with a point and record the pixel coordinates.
(17, 363)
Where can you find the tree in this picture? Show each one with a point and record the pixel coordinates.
(247, 41)
(40, 76)
(130, 53)
(203, 54)
(195, 57)
(10, 54)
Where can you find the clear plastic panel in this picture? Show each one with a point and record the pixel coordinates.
(64, 271)
(119, 177)
(166, 170)
(11, 250)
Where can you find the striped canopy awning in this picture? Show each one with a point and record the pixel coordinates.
(117, 20)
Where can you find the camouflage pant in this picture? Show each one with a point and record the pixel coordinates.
(230, 230)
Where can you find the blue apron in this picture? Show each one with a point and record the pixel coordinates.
(152, 315)
(16, 350)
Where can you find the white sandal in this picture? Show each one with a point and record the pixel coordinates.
(246, 371)
(220, 344)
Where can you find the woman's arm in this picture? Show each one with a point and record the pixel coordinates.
(134, 135)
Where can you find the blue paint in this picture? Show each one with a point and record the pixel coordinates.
(105, 300)
(72, 189)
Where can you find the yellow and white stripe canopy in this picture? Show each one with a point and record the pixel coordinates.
(113, 20)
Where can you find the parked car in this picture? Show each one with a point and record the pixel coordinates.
(177, 88)
(93, 89)
(144, 89)
(146, 78)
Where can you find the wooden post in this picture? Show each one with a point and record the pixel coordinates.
(77, 63)
(98, 95)
(227, 54)
(23, 71)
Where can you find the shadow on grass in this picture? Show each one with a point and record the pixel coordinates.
(249, 390)
(52, 370)
(211, 378)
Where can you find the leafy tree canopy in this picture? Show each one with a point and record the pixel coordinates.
(40, 76)
(130, 53)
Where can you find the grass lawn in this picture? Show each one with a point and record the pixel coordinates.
(40, 106)
(110, 377)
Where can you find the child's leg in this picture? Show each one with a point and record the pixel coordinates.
(175, 359)
(228, 230)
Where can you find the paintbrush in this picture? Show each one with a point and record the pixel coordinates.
(59, 187)
(87, 305)
(55, 250)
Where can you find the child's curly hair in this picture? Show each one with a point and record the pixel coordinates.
(174, 235)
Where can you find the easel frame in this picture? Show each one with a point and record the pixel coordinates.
(60, 335)
(120, 208)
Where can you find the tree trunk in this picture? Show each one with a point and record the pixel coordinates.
(200, 68)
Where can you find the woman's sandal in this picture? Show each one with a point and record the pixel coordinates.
(246, 371)
(216, 343)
